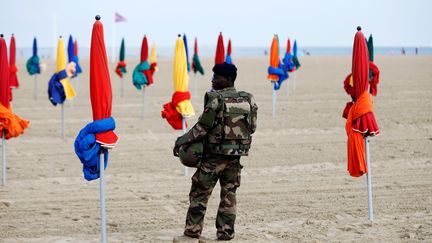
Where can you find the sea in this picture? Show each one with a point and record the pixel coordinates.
(204, 51)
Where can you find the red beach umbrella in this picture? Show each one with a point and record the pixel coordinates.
(220, 50)
(360, 120)
(13, 79)
(100, 84)
(4, 74)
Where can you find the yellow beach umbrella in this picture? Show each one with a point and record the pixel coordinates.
(60, 66)
(153, 59)
(181, 78)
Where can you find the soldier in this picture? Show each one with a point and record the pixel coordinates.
(225, 129)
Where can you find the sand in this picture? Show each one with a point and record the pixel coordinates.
(295, 186)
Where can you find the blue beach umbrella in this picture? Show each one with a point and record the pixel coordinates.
(72, 57)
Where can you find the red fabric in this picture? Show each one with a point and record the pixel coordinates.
(220, 51)
(347, 86)
(153, 69)
(4, 75)
(12, 124)
(119, 65)
(375, 80)
(100, 83)
(170, 112)
(360, 64)
(196, 46)
(13, 79)
(356, 151)
(76, 48)
(347, 109)
(288, 50)
(178, 97)
(229, 47)
(149, 76)
(172, 116)
(144, 50)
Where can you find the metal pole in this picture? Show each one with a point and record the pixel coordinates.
(143, 96)
(35, 86)
(274, 103)
(122, 88)
(369, 179)
(4, 158)
(102, 197)
(113, 41)
(196, 88)
(186, 171)
(62, 122)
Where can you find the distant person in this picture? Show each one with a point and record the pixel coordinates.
(265, 52)
(416, 51)
(224, 133)
(403, 51)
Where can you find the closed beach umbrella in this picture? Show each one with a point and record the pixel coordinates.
(72, 57)
(97, 137)
(220, 50)
(196, 64)
(32, 64)
(276, 72)
(61, 66)
(153, 59)
(76, 48)
(229, 50)
(121, 65)
(4, 75)
(11, 125)
(374, 71)
(295, 57)
(13, 79)
(288, 63)
(187, 51)
(142, 75)
(361, 121)
(180, 105)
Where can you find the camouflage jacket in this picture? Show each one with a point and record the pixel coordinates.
(228, 120)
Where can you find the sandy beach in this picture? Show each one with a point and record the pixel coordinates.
(295, 185)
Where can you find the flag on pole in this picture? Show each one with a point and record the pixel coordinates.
(119, 18)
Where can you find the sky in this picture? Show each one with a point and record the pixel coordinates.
(249, 23)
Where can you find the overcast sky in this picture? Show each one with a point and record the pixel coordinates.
(248, 23)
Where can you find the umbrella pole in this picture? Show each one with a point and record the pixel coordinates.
(35, 86)
(186, 171)
(62, 122)
(102, 196)
(287, 85)
(295, 79)
(196, 87)
(4, 158)
(369, 179)
(142, 108)
(274, 103)
(121, 87)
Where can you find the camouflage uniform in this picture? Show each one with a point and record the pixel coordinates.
(221, 161)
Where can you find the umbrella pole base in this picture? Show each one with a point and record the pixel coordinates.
(369, 180)
(102, 197)
(3, 159)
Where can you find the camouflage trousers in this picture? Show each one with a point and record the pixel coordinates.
(227, 170)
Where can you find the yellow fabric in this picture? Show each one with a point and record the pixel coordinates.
(61, 65)
(181, 78)
(153, 55)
